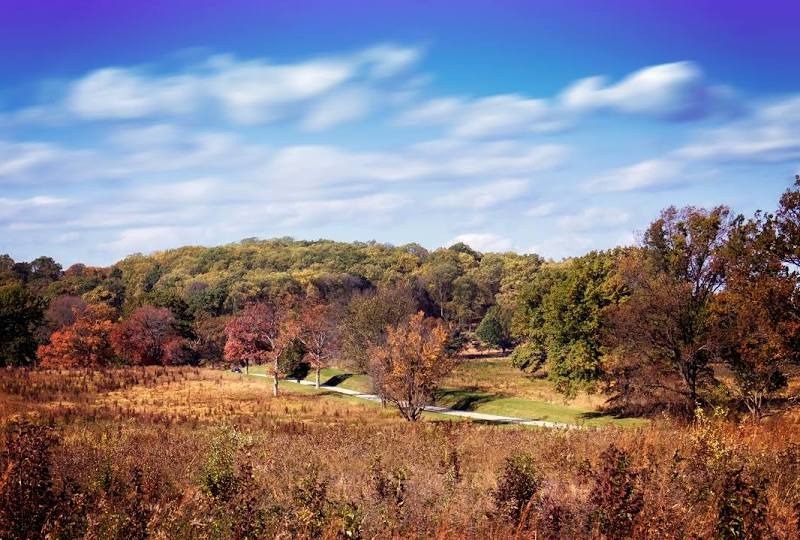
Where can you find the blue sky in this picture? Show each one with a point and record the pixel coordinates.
(554, 127)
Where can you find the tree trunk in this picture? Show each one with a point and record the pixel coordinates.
(318, 370)
(275, 379)
(247, 368)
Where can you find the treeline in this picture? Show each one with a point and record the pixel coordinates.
(705, 310)
(181, 306)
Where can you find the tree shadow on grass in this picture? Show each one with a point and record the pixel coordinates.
(336, 380)
(466, 399)
(607, 414)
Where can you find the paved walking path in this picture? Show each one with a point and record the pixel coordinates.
(440, 410)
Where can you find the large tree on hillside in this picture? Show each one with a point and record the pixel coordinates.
(209, 343)
(495, 329)
(409, 367)
(83, 343)
(141, 337)
(249, 335)
(20, 314)
(439, 277)
(64, 310)
(661, 333)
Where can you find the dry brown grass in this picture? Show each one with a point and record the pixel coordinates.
(164, 423)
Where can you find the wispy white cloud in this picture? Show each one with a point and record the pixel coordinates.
(41, 207)
(27, 163)
(116, 93)
(561, 245)
(493, 116)
(593, 218)
(541, 210)
(650, 174)
(338, 108)
(483, 196)
(770, 134)
(247, 92)
(676, 91)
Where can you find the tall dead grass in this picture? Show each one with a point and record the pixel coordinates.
(137, 452)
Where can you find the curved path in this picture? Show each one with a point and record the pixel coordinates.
(482, 417)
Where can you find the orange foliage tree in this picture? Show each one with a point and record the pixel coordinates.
(408, 368)
(84, 343)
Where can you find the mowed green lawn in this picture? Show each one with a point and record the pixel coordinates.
(332, 377)
(484, 398)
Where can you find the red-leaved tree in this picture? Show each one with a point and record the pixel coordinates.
(259, 334)
(141, 338)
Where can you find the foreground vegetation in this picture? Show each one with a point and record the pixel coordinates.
(195, 453)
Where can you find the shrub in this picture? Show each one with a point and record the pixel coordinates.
(742, 508)
(390, 489)
(26, 486)
(310, 501)
(219, 479)
(616, 497)
(517, 485)
(552, 518)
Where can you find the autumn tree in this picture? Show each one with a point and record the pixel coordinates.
(65, 310)
(141, 337)
(320, 336)
(249, 335)
(83, 343)
(756, 318)
(408, 368)
(261, 333)
(366, 317)
(660, 335)
(209, 343)
(61, 311)
(20, 314)
(43, 272)
(787, 223)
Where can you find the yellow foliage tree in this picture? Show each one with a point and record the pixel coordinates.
(408, 368)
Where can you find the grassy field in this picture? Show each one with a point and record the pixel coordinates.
(142, 449)
(492, 386)
(197, 453)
